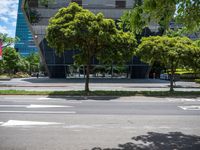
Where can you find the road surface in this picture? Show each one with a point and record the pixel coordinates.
(95, 123)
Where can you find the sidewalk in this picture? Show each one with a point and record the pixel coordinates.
(115, 84)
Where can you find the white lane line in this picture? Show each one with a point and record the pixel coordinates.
(26, 123)
(190, 107)
(13, 105)
(44, 98)
(1, 123)
(82, 126)
(36, 106)
(46, 106)
(181, 100)
(40, 112)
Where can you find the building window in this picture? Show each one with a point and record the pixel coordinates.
(120, 4)
(79, 2)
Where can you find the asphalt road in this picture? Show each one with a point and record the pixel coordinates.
(82, 123)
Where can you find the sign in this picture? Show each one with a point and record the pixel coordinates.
(1, 45)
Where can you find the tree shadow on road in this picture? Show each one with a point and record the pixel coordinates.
(160, 141)
(79, 98)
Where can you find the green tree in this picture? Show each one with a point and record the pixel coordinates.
(46, 2)
(34, 62)
(185, 12)
(23, 65)
(11, 60)
(6, 40)
(194, 60)
(93, 35)
(133, 19)
(170, 51)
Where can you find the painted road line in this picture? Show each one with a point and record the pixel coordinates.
(27, 123)
(13, 106)
(36, 106)
(39, 112)
(190, 107)
(181, 100)
(44, 98)
(46, 106)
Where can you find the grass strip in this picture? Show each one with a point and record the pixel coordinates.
(105, 93)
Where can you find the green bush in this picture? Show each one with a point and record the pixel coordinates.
(197, 80)
(4, 76)
(21, 75)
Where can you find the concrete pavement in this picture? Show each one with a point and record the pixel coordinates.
(46, 84)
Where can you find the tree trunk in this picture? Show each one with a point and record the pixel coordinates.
(171, 79)
(87, 79)
(111, 71)
(127, 73)
(148, 71)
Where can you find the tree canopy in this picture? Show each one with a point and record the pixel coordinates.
(75, 28)
(184, 12)
(11, 59)
(34, 62)
(6, 40)
(170, 51)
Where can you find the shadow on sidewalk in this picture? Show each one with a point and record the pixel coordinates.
(160, 141)
(94, 80)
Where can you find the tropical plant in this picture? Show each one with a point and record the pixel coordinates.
(46, 2)
(34, 62)
(184, 12)
(10, 60)
(170, 51)
(6, 40)
(93, 35)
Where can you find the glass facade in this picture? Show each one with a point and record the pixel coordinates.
(58, 66)
(26, 44)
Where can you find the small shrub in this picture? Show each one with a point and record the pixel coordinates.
(21, 75)
(197, 80)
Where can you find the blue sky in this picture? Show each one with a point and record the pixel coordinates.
(8, 16)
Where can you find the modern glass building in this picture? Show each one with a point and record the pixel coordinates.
(58, 66)
(25, 45)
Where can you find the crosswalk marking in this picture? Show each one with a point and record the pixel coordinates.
(190, 107)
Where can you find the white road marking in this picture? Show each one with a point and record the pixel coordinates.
(36, 106)
(40, 112)
(13, 105)
(188, 100)
(182, 100)
(82, 126)
(46, 106)
(26, 123)
(1, 123)
(44, 98)
(190, 107)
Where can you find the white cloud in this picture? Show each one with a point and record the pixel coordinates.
(4, 29)
(8, 8)
(8, 16)
(13, 24)
(4, 19)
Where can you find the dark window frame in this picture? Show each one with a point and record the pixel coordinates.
(79, 2)
(120, 4)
